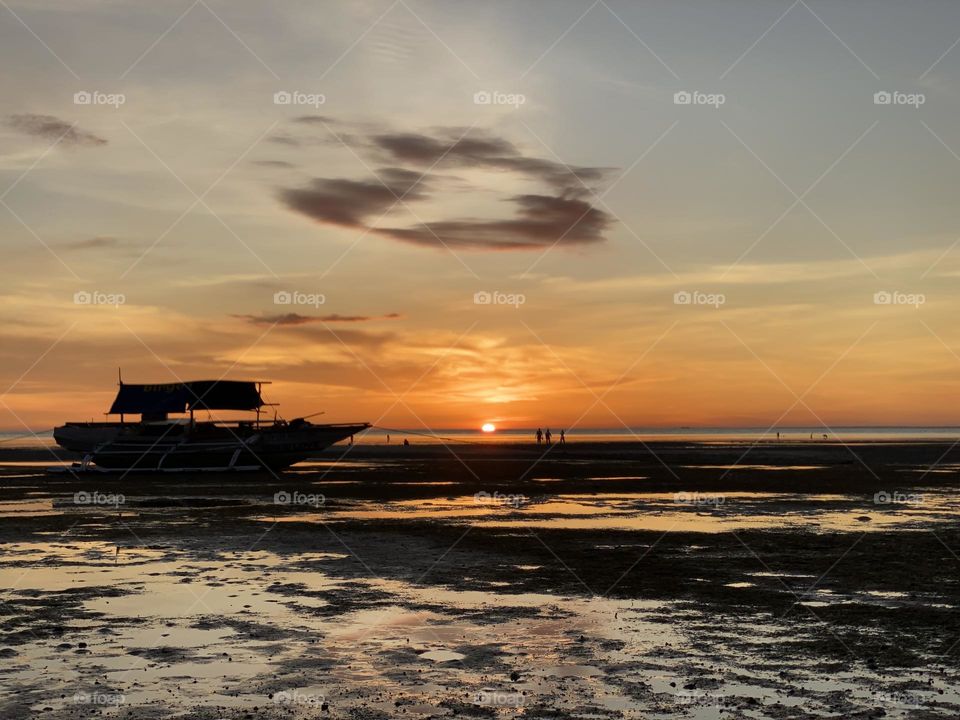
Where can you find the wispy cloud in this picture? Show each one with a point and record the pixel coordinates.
(351, 202)
(98, 242)
(541, 221)
(53, 128)
(562, 216)
(298, 319)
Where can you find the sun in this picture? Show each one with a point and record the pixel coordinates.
(488, 427)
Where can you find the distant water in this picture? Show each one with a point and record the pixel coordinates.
(22, 438)
(746, 434)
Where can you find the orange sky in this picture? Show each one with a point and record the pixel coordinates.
(786, 256)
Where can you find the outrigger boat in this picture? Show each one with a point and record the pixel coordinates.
(157, 442)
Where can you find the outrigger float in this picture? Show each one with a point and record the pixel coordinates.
(157, 442)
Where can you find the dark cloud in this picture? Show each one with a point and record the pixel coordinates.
(315, 119)
(297, 319)
(101, 241)
(483, 151)
(541, 221)
(274, 163)
(52, 128)
(351, 202)
(563, 215)
(284, 140)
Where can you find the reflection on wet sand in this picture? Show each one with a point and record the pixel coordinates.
(683, 512)
(411, 588)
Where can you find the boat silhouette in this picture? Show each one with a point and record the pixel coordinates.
(158, 442)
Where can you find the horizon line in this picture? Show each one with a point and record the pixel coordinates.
(632, 428)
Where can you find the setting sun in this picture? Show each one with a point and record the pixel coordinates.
(488, 427)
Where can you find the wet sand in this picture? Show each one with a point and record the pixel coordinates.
(601, 580)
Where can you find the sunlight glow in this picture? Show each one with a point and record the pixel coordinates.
(488, 427)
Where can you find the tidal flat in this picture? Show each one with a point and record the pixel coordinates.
(601, 580)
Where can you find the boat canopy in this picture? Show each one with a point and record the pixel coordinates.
(180, 397)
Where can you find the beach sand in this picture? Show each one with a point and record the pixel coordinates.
(604, 580)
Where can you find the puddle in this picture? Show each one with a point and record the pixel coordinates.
(27, 508)
(663, 512)
(441, 656)
(755, 467)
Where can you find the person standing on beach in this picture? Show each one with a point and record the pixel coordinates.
(563, 438)
(539, 436)
(548, 436)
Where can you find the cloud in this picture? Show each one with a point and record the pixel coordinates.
(541, 221)
(284, 140)
(274, 163)
(350, 202)
(101, 241)
(297, 319)
(563, 215)
(479, 150)
(53, 128)
(318, 119)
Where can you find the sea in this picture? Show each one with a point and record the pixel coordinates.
(378, 435)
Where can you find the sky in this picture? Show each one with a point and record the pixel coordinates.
(438, 214)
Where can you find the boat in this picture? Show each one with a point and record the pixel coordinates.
(159, 442)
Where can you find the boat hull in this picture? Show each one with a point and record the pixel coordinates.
(84, 437)
(204, 446)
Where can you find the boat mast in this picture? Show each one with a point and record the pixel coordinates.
(120, 379)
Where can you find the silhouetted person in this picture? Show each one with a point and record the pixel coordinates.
(406, 443)
(539, 436)
(548, 436)
(563, 438)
